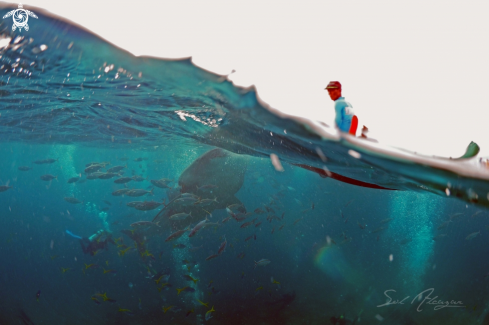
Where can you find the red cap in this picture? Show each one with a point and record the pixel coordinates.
(333, 85)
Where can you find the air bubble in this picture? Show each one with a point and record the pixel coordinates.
(276, 163)
(354, 154)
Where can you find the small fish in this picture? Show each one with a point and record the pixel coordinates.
(246, 224)
(124, 251)
(48, 177)
(138, 192)
(138, 178)
(472, 235)
(211, 257)
(206, 201)
(38, 295)
(239, 218)
(133, 204)
(109, 271)
(93, 168)
(147, 205)
(248, 238)
(274, 281)
(186, 200)
(179, 246)
(208, 313)
(377, 230)
(24, 168)
(443, 225)
(116, 169)
(95, 300)
(73, 180)
(89, 266)
(97, 163)
(223, 246)
(241, 256)
(189, 278)
(197, 227)
(456, 215)
(108, 175)
(163, 277)
(94, 175)
(177, 234)
(259, 288)
(180, 216)
(45, 161)
(185, 289)
(262, 262)
(386, 220)
(142, 224)
(296, 221)
(203, 303)
(126, 311)
(107, 202)
(160, 183)
(226, 219)
(65, 270)
(165, 309)
(476, 213)
(72, 200)
(120, 192)
(123, 180)
(189, 312)
(258, 224)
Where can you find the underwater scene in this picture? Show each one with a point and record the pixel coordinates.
(138, 190)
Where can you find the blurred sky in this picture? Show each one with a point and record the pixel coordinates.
(416, 72)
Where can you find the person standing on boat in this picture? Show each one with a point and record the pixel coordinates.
(345, 119)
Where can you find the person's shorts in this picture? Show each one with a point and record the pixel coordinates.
(353, 125)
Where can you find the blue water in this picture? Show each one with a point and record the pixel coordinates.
(67, 95)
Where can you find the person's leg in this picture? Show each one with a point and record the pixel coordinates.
(353, 125)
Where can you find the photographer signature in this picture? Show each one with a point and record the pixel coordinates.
(428, 300)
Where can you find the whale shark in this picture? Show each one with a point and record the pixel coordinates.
(212, 180)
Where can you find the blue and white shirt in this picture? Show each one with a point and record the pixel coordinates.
(344, 114)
